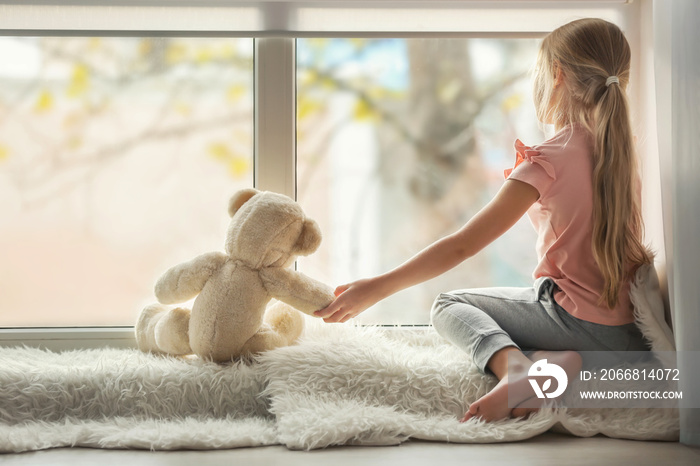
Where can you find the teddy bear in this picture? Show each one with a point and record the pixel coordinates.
(230, 316)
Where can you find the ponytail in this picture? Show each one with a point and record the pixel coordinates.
(617, 218)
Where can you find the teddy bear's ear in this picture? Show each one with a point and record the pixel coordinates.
(240, 198)
(309, 240)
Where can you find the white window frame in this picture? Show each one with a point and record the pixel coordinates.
(275, 25)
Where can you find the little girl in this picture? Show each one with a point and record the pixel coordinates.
(581, 191)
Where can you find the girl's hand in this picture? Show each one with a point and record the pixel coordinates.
(351, 300)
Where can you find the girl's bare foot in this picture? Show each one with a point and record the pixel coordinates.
(514, 387)
(494, 405)
(570, 361)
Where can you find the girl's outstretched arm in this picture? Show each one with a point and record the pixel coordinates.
(501, 213)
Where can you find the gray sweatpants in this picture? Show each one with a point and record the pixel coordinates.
(485, 320)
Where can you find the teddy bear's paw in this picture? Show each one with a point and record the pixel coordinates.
(145, 327)
(172, 332)
(265, 339)
(285, 320)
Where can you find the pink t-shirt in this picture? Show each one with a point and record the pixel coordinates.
(561, 169)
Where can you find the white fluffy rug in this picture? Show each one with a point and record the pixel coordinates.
(339, 385)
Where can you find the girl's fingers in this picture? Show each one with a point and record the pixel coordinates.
(335, 312)
(333, 307)
(326, 311)
(340, 316)
(340, 290)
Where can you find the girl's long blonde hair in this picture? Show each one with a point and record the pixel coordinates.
(587, 52)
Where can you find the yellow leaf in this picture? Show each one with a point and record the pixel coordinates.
(44, 102)
(204, 55)
(363, 111)
(74, 142)
(307, 77)
(4, 153)
(235, 92)
(511, 102)
(307, 107)
(358, 43)
(227, 52)
(183, 109)
(145, 47)
(219, 151)
(377, 93)
(175, 53)
(318, 42)
(80, 80)
(328, 83)
(95, 43)
(449, 91)
(238, 166)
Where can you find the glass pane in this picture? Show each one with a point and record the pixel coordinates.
(117, 158)
(400, 142)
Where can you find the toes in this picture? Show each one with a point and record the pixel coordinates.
(473, 411)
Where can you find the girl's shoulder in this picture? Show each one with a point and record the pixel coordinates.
(572, 139)
(563, 157)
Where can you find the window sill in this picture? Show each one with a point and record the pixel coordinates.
(62, 339)
(76, 338)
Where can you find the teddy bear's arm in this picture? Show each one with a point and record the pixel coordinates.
(296, 289)
(185, 281)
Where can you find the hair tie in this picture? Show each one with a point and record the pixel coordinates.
(610, 80)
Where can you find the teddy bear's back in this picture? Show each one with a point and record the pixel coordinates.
(227, 312)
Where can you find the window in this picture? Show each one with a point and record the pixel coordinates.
(117, 157)
(400, 142)
(391, 122)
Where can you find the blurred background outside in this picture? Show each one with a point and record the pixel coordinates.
(118, 156)
(400, 142)
(117, 159)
